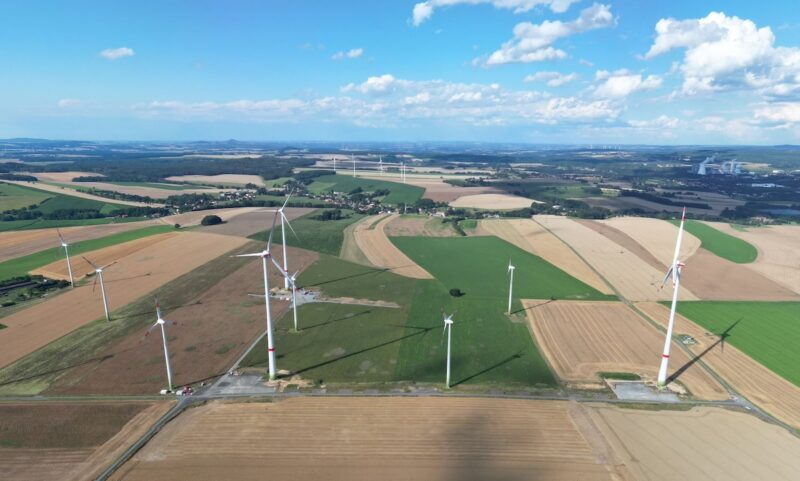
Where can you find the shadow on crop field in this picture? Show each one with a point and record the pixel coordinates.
(533, 307)
(494, 366)
(719, 342)
(331, 321)
(98, 360)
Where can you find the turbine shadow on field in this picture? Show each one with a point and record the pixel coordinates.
(338, 279)
(721, 342)
(331, 321)
(494, 366)
(98, 360)
(533, 307)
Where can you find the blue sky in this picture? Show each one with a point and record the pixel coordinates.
(543, 71)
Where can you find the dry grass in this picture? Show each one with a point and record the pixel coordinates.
(492, 202)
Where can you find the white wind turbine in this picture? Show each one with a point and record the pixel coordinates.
(403, 171)
(66, 252)
(448, 326)
(380, 164)
(160, 322)
(98, 270)
(283, 217)
(354, 164)
(674, 271)
(511, 268)
(264, 255)
(334, 164)
(291, 280)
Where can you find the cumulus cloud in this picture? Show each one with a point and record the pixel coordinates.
(784, 112)
(723, 52)
(374, 85)
(551, 79)
(622, 83)
(67, 103)
(424, 10)
(116, 53)
(534, 42)
(352, 53)
(660, 122)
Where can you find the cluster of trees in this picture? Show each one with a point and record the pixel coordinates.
(112, 194)
(331, 214)
(79, 214)
(19, 177)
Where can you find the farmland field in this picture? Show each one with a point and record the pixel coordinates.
(769, 332)
(371, 239)
(22, 265)
(16, 196)
(722, 244)
(398, 193)
(15, 225)
(313, 234)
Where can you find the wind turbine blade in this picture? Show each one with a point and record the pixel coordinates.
(290, 226)
(109, 265)
(60, 237)
(287, 200)
(90, 262)
(158, 309)
(255, 254)
(669, 273)
(271, 231)
(150, 330)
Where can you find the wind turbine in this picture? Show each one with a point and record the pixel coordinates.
(380, 164)
(674, 271)
(66, 252)
(448, 326)
(403, 171)
(334, 164)
(264, 255)
(99, 275)
(160, 323)
(511, 268)
(354, 164)
(283, 235)
(291, 280)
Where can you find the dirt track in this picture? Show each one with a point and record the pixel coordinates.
(778, 255)
(532, 237)
(381, 252)
(135, 275)
(492, 201)
(627, 272)
(703, 444)
(581, 339)
(71, 463)
(363, 438)
(763, 387)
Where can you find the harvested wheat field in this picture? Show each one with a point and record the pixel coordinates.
(21, 243)
(435, 187)
(144, 190)
(101, 257)
(83, 195)
(249, 223)
(406, 225)
(132, 277)
(581, 339)
(532, 237)
(706, 275)
(70, 441)
(213, 330)
(221, 179)
(761, 386)
(381, 252)
(61, 176)
(194, 217)
(702, 444)
(634, 278)
(778, 256)
(492, 202)
(363, 438)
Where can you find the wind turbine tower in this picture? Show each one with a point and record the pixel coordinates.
(675, 272)
(334, 164)
(160, 322)
(354, 164)
(292, 280)
(265, 255)
(511, 268)
(66, 253)
(380, 164)
(280, 212)
(448, 326)
(98, 270)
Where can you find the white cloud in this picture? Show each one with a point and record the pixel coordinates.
(420, 98)
(116, 53)
(622, 83)
(780, 112)
(723, 52)
(533, 42)
(552, 79)
(660, 122)
(67, 103)
(374, 85)
(424, 10)
(352, 53)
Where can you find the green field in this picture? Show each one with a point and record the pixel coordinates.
(313, 234)
(720, 243)
(294, 201)
(48, 224)
(398, 193)
(50, 202)
(154, 185)
(22, 265)
(769, 332)
(16, 197)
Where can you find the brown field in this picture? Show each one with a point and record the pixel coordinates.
(61, 176)
(134, 276)
(213, 330)
(83, 195)
(702, 444)
(350, 250)
(187, 219)
(418, 226)
(101, 257)
(69, 441)
(634, 278)
(222, 179)
(649, 240)
(492, 201)
(761, 386)
(21, 243)
(249, 223)
(435, 187)
(581, 339)
(381, 252)
(532, 237)
(363, 438)
(778, 255)
(147, 191)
